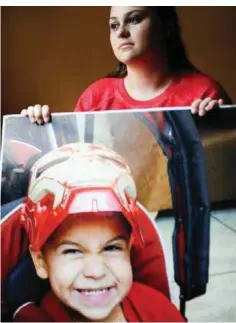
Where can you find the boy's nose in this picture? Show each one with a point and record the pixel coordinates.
(94, 267)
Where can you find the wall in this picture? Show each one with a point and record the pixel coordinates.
(51, 54)
(209, 33)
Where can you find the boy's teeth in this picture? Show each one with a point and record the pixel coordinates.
(94, 292)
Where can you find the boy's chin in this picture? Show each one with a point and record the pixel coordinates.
(97, 315)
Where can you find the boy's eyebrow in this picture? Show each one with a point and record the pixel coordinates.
(69, 242)
(120, 237)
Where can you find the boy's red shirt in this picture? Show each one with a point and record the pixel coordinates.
(142, 304)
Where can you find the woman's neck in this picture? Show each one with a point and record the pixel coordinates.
(145, 81)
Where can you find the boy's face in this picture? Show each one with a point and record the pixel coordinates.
(87, 261)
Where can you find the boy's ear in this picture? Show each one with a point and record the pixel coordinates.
(39, 263)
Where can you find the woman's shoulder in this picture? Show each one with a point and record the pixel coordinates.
(196, 77)
(97, 94)
(198, 85)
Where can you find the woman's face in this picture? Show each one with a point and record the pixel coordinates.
(87, 261)
(132, 33)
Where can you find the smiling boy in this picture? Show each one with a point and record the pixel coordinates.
(87, 260)
(81, 218)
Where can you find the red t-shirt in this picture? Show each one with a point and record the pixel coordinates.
(111, 94)
(142, 304)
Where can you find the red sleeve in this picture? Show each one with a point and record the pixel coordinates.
(144, 304)
(84, 102)
(216, 91)
(202, 86)
(88, 100)
(148, 264)
(168, 311)
(98, 96)
(192, 86)
(14, 244)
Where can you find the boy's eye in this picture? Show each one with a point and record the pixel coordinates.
(113, 248)
(71, 252)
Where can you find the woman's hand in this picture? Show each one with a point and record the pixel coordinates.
(38, 114)
(202, 106)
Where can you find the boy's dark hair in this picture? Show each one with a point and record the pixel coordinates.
(176, 55)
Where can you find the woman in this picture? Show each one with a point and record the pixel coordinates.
(154, 70)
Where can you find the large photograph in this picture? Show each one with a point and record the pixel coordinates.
(81, 164)
(91, 163)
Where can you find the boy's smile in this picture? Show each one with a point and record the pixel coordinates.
(87, 260)
(97, 296)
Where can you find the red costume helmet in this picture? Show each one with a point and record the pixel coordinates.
(77, 178)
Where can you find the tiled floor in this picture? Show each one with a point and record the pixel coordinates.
(219, 303)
